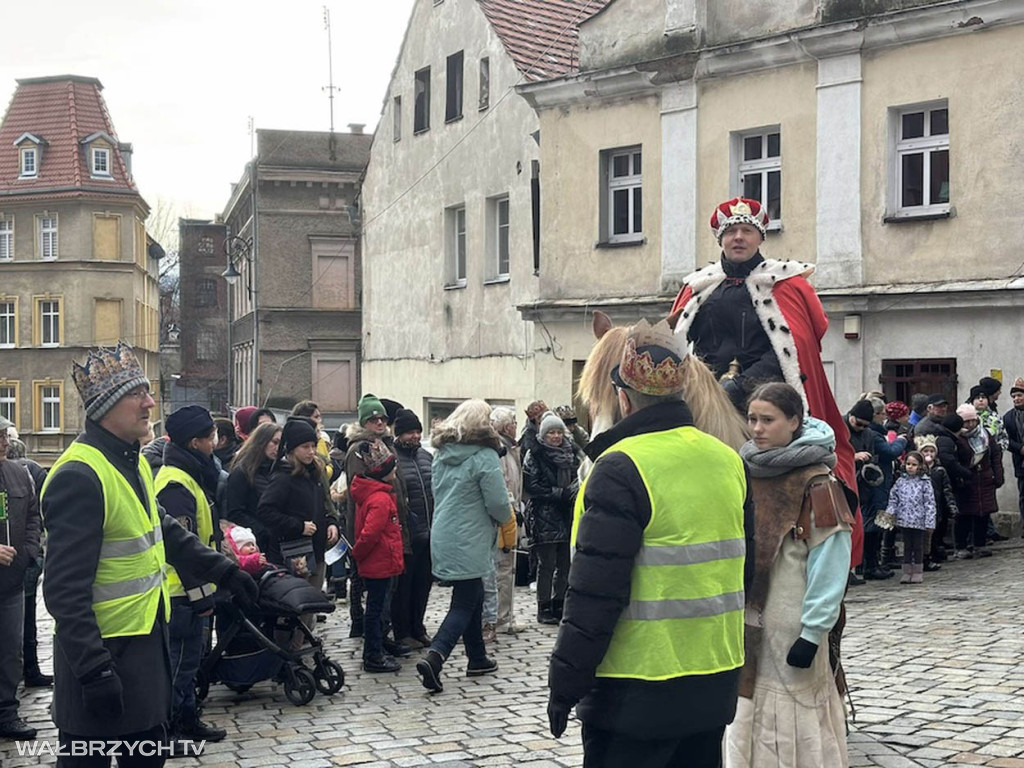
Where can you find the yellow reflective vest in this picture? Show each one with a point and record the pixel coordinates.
(685, 614)
(204, 526)
(129, 584)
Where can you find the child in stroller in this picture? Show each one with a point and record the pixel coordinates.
(246, 652)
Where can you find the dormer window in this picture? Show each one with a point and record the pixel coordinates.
(29, 162)
(100, 161)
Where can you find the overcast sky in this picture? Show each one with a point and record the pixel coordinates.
(182, 77)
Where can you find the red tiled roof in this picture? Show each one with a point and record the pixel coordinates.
(61, 111)
(541, 36)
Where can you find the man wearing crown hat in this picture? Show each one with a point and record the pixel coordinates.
(105, 585)
(753, 320)
(652, 690)
(1013, 423)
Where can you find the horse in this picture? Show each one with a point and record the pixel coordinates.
(713, 411)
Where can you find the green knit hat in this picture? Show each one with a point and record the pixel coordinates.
(370, 406)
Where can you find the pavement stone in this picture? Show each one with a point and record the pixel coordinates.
(935, 670)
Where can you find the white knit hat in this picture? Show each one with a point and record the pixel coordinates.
(967, 412)
(240, 535)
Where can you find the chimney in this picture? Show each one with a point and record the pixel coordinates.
(126, 153)
(356, 128)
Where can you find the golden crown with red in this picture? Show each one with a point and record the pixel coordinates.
(652, 362)
(739, 210)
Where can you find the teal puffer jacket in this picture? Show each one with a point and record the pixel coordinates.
(470, 502)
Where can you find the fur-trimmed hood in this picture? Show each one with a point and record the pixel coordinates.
(482, 438)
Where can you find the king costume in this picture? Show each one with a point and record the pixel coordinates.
(763, 315)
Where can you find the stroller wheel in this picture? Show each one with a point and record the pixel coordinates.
(303, 689)
(329, 677)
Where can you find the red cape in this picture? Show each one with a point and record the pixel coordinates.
(808, 322)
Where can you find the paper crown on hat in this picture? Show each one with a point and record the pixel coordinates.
(1018, 385)
(926, 441)
(652, 362)
(108, 374)
(739, 210)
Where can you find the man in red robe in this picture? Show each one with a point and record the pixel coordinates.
(754, 320)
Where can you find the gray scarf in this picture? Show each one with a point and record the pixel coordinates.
(773, 462)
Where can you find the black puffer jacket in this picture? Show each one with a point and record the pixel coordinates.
(23, 526)
(288, 502)
(552, 492)
(243, 499)
(414, 467)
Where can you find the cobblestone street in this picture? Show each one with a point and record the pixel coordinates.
(936, 672)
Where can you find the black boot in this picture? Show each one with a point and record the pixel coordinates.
(544, 615)
(396, 649)
(17, 729)
(357, 628)
(429, 670)
(381, 662)
(557, 606)
(194, 729)
(34, 678)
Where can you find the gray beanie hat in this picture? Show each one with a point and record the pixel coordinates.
(548, 423)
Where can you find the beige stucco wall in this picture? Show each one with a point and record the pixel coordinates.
(785, 97)
(985, 104)
(408, 314)
(572, 139)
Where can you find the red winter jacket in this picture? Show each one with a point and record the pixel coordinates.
(378, 535)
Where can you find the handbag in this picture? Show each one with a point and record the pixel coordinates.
(298, 556)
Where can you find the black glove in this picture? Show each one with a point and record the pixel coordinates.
(558, 715)
(801, 654)
(102, 694)
(241, 586)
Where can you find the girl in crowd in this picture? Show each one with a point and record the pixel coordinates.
(249, 477)
(912, 503)
(549, 479)
(790, 713)
(945, 502)
(470, 502)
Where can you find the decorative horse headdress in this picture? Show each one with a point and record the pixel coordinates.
(652, 361)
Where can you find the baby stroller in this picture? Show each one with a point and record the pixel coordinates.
(246, 653)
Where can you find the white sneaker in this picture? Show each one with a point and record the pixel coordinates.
(533, 586)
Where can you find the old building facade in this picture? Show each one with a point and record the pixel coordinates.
(76, 267)
(202, 377)
(295, 308)
(451, 204)
(875, 134)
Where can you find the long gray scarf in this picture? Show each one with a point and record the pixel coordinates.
(772, 462)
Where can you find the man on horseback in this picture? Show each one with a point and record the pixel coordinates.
(754, 320)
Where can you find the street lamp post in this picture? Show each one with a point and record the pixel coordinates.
(240, 249)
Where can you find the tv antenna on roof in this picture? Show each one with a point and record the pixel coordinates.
(330, 78)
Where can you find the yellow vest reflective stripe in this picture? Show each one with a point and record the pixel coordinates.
(204, 526)
(129, 583)
(685, 615)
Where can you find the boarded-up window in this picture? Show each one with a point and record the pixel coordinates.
(106, 321)
(334, 383)
(333, 273)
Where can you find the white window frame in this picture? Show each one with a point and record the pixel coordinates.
(9, 323)
(924, 146)
(6, 239)
(49, 404)
(53, 317)
(11, 401)
(27, 172)
(613, 184)
(455, 241)
(493, 233)
(762, 166)
(48, 238)
(97, 153)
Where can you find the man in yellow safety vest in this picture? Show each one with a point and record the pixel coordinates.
(104, 575)
(185, 487)
(651, 643)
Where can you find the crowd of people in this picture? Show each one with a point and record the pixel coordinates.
(696, 578)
